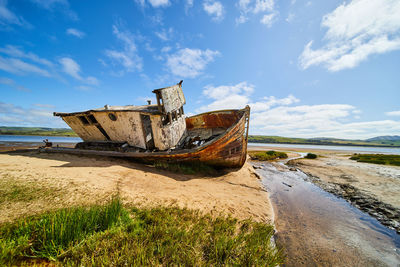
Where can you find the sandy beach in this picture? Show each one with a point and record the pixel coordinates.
(58, 181)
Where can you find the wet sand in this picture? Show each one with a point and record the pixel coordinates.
(68, 180)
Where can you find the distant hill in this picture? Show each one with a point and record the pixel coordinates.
(393, 141)
(387, 141)
(385, 138)
(36, 131)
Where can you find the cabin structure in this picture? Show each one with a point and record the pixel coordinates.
(150, 127)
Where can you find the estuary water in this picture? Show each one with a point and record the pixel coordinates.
(37, 139)
(316, 228)
(361, 149)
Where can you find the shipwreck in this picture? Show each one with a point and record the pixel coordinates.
(160, 132)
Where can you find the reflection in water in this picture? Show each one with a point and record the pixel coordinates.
(317, 228)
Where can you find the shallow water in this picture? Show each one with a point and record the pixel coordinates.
(362, 149)
(37, 139)
(318, 229)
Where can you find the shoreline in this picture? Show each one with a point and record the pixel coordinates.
(385, 213)
(71, 180)
(371, 188)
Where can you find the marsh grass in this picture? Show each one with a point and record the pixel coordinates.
(173, 236)
(111, 235)
(51, 234)
(267, 155)
(377, 159)
(188, 168)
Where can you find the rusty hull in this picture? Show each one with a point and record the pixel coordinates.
(229, 149)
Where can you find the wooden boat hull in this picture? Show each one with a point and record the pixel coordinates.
(227, 150)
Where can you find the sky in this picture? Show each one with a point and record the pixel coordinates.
(306, 68)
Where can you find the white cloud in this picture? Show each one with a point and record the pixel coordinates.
(16, 52)
(165, 35)
(290, 17)
(63, 5)
(214, 9)
(268, 20)
(127, 56)
(73, 69)
(166, 49)
(76, 33)
(8, 17)
(393, 113)
(355, 31)
(12, 115)
(190, 63)
(17, 66)
(11, 83)
(226, 90)
(188, 5)
(264, 7)
(280, 116)
(241, 19)
(159, 3)
(154, 3)
(227, 96)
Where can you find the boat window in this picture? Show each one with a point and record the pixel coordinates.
(112, 116)
(181, 111)
(165, 119)
(174, 115)
(84, 120)
(92, 119)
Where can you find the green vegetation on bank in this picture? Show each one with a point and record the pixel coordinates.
(267, 155)
(115, 235)
(386, 142)
(37, 131)
(377, 159)
(311, 156)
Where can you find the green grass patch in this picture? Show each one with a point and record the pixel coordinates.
(377, 159)
(267, 155)
(187, 168)
(311, 156)
(111, 235)
(13, 190)
(50, 235)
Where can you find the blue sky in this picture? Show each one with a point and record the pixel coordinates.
(307, 68)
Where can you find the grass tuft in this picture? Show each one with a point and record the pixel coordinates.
(267, 155)
(49, 235)
(311, 156)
